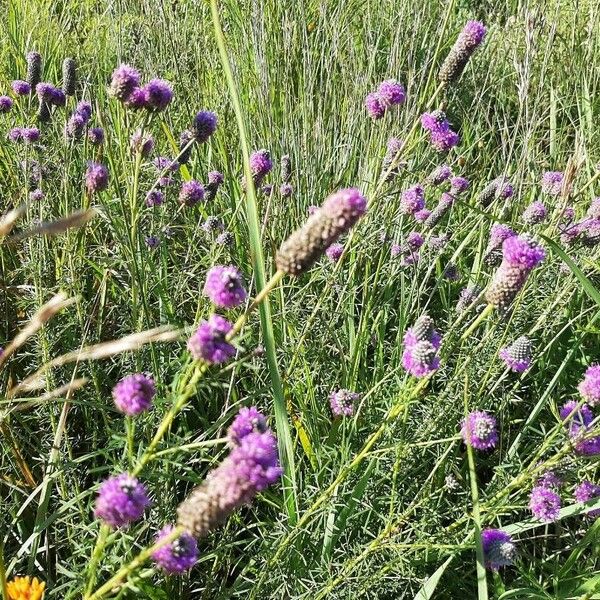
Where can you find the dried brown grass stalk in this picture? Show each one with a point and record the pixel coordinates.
(76, 219)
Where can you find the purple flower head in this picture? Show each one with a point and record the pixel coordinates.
(439, 175)
(467, 296)
(517, 356)
(59, 98)
(204, 125)
(225, 286)
(208, 343)
(395, 250)
(96, 136)
(45, 91)
(212, 223)
(75, 126)
(36, 195)
(158, 94)
(152, 242)
(414, 240)
(334, 252)
(522, 251)
(134, 393)
(451, 272)
(124, 80)
(137, 99)
(178, 556)
(374, 106)
(121, 499)
(215, 177)
(31, 134)
(20, 88)
(286, 189)
(342, 402)
(247, 421)
(589, 388)
(458, 185)
(480, 430)
(422, 215)
(84, 108)
(535, 213)
(544, 503)
(435, 122)
(96, 177)
(498, 233)
(260, 164)
(142, 143)
(443, 141)
(473, 32)
(391, 92)
(191, 193)
(15, 134)
(585, 491)
(579, 419)
(499, 549)
(164, 163)
(412, 200)
(420, 359)
(588, 447)
(6, 104)
(154, 198)
(552, 182)
(225, 239)
(549, 479)
(568, 214)
(266, 189)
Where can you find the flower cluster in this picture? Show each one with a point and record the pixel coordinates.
(412, 200)
(535, 213)
(342, 402)
(552, 183)
(421, 343)
(125, 86)
(468, 41)
(225, 286)
(209, 342)
(121, 500)
(589, 388)
(480, 430)
(544, 503)
(178, 556)
(134, 394)
(390, 93)
(441, 136)
(497, 188)
(577, 418)
(499, 549)
(517, 355)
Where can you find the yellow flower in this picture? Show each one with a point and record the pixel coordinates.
(25, 588)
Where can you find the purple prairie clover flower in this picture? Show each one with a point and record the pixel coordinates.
(158, 94)
(152, 242)
(593, 212)
(36, 195)
(84, 108)
(439, 242)
(439, 175)
(422, 215)
(6, 104)
(498, 233)
(374, 106)
(75, 126)
(225, 286)
(422, 330)
(517, 355)
(58, 97)
(191, 193)
(544, 504)
(458, 185)
(443, 141)
(34, 68)
(578, 418)
(154, 198)
(137, 99)
(497, 188)
(568, 214)
(592, 232)
(412, 200)
(247, 421)
(124, 80)
(499, 549)
(266, 190)
(209, 342)
(31, 134)
(225, 239)
(96, 136)
(215, 180)
(342, 403)
(421, 359)
(390, 93)
(589, 388)
(480, 430)
(523, 251)
(446, 201)
(572, 233)
(409, 259)
(134, 394)
(585, 491)
(339, 213)
(286, 189)
(178, 556)
(467, 297)
(535, 213)
(164, 163)
(588, 447)
(552, 182)
(69, 73)
(260, 165)
(96, 177)
(212, 224)
(45, 91)
(468, 41)
(435, 122)
(20, 88)
(549, 479)
(395, 250)
(204, 125)
(451, 272)
(250, 468)
(334, 252)
(121, 500)
(414, 240)
(142, 143)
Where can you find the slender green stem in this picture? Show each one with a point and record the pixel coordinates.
(95, 559)
(477, 322)
(284, 437)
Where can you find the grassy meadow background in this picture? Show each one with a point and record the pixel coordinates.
(528, 102)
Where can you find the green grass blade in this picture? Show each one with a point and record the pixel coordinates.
(426, 592)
